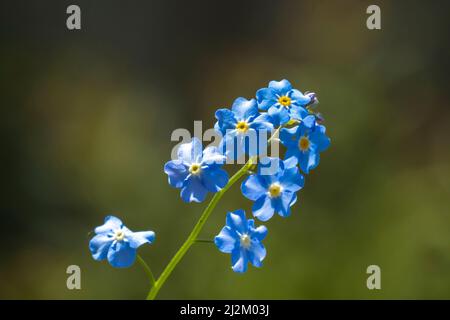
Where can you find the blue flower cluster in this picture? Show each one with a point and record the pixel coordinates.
(277, 113)
(277, 109)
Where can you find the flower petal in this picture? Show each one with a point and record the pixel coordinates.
(214, 179)
(253, 187)
(291, 179)
(320, 140)
(226, 240)
(190, 152)
(212, 155)
(259, 233)
(308, 160)
(244, 109)
(254, 142)
(269, 167)
(283, 203)
(266, 98)
(236, 220)
(279, 116)
(292, 152)
(111, 223)
(263, 208)
(290, 162)
(239, 260)
(136, 239)
(281, 87)
(176, 172)
(260, 123)
(226, 120)
(298, 112)
(121, 255)
(299, 98)
(193, 190)
(99, 246)
(309, 121)
(256, 253)
(233, 146)
(289, 137)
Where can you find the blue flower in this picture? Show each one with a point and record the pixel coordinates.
(273, 188)
(117, 243)
(305, 142)
(282, 102)
(196, 172)
(240, 238)
(241, 128)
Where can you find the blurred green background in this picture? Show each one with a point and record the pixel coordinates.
(87, 117)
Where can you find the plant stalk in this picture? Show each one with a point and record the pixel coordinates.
(195, 232)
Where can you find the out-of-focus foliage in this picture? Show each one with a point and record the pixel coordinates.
(87, 117)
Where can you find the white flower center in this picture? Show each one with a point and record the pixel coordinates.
(245, 241)
(195, 169)
(275, 190)
(119, 235)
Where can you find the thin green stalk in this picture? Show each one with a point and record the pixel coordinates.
(147, 270)
(195, 232)
(204, 241)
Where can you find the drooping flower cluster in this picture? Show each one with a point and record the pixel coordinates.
(278, 110)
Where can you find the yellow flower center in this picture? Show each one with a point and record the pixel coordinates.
(242, 126)
(285, 101)
(119, 235)
(274, 190)
(303, 143)
(245, 241)
(195, 169)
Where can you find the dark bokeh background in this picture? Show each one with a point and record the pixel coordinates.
(87, 117)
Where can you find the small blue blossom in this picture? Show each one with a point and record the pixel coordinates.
(283, 103)
(196, 171)
(117, 243)
(240, 238)
(241, 128)
(273, 191)
(305, 142)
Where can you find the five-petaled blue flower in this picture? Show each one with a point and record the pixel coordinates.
(282, 102)
(244, 129)
(196, 171)
(273, 188)
(305, 142)
(240, 238)
(117, 243)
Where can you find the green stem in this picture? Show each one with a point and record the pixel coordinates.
(147, 270)
(204, 241)
(195, 232)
